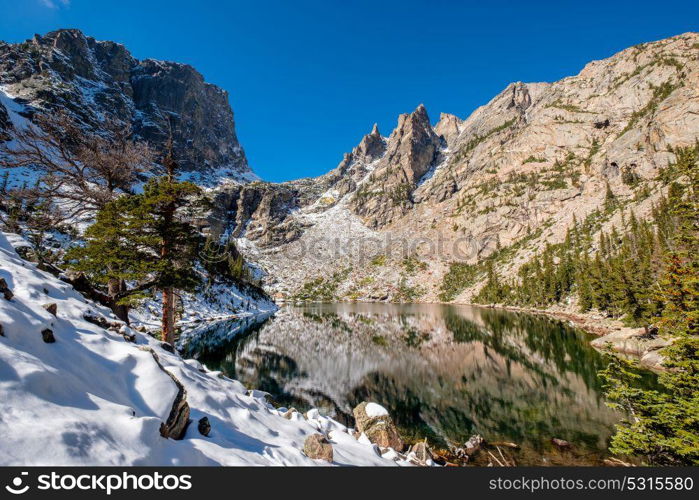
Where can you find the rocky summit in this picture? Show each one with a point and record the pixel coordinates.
(93, 80)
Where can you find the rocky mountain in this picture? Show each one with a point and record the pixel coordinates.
(393, 216)
(95, 79)
(388, 221)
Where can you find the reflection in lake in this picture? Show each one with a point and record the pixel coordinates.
(444, 372)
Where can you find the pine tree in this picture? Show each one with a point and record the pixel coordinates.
(610, 201)
(111, 255)
(664, 425)
(162, 226)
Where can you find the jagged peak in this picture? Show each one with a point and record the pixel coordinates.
(448, 126)
(421, 110)
(418, 118)
(372, 145)
(448, 117)
(74, 32)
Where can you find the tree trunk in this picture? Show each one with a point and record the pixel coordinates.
(168, 322)
(114, 287)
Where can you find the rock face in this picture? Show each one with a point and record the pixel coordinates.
(374, 421)
(318, 447)
(410, 153)
(95, 79)
(522, 166)
(258, 211)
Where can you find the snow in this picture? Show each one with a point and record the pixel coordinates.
(21, 175)
(375, 410)
(212, 178)
(92, 398)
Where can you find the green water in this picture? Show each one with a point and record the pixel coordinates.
(444, 372)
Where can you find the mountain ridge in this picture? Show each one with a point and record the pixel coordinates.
(518, 168)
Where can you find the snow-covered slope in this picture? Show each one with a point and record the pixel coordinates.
(94, 398)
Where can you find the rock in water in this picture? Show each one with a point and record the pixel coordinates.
(562, 444)
(47, 335)
(422, 452)
(5, 290)
(473, 445)
(204, 426)
(318, 447)
(374, 421)
(52, 308)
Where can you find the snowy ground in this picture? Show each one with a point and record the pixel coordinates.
(93, 398)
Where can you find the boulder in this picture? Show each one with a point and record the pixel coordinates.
(101, 321)
(289, 413)
(167, 347)
(128, 335)
(5, 290)
(374, 421)
(204, 426)
(318, 447)
(175, 427)
(47, 335)
(422, 452)
(561, 444)
(473, 445)
(52, 308)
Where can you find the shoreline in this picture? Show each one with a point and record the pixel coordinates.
(625, 341)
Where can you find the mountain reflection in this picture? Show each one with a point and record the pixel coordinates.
(444, 372)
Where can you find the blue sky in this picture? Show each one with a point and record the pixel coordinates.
(308, 78)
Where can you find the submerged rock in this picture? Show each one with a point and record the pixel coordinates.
(318, 447)
(374, 421)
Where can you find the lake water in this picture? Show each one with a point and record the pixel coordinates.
(444, 372)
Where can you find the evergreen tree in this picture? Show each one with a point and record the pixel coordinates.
(664, 425)
(111, 256)
(149, 238)
(163, 222)
(610, 201)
